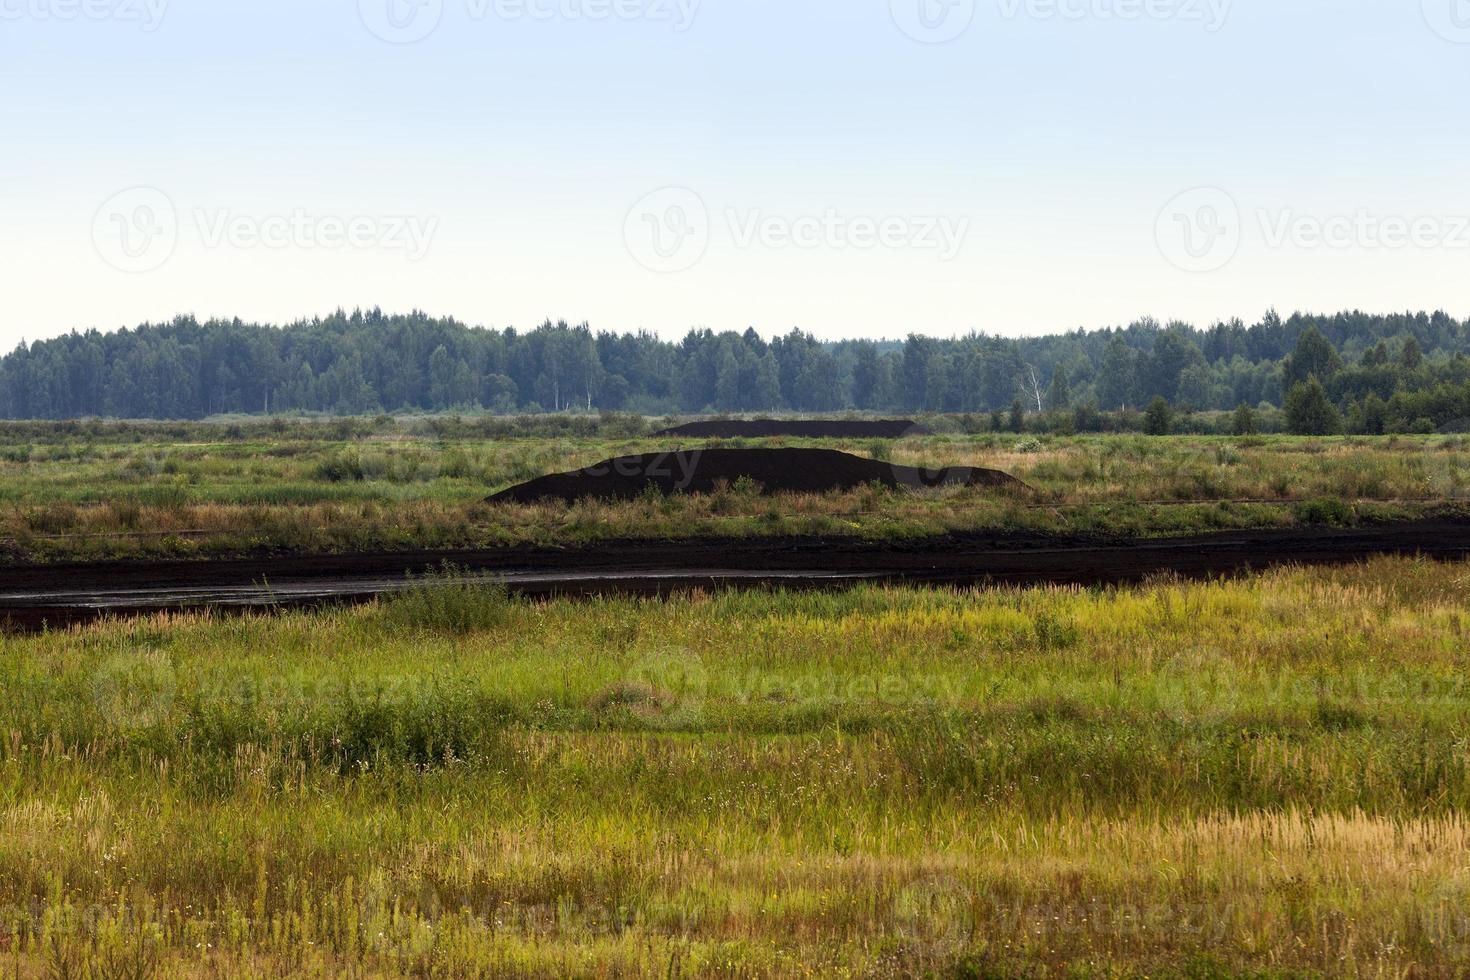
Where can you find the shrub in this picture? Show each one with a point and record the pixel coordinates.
(1331, 511)
(450, 602)
(1159, 419)
(1245, 421)
(345, 466)
(1309, 412)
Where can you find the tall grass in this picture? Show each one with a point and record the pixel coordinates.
(449, 601)
(319, 487)
(1254, 777)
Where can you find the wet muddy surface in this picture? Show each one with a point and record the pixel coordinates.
(33, 597)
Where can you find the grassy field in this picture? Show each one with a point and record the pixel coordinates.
(1265, 777)
(104, 490)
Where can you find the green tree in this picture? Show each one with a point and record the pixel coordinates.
(1245, 421)
(498, 393)
(866, 377)
(1411, 356)
(1059, 395)
(1158, 420)
(1309, 412)
(1314, 356)
(1115, 380)
(1374, 415)
(1017, 421)
(765, 393)
(1173, 352)
(728, 390)
(1376, 356)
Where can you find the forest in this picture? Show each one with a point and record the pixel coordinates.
(1355, 371)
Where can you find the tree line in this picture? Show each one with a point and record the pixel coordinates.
(1358, 371)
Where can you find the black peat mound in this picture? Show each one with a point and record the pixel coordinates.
(818, 429)
(772, 470)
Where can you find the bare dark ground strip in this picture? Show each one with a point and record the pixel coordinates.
(57, 595)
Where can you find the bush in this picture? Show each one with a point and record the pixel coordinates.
(449, 602)
(1329, 511)
(1309, 412)
(1245, 421)
(345, 466)
(1159, 419)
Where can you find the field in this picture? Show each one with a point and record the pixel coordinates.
(1264, 777)
(101, 490)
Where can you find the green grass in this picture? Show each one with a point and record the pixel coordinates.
(1263, 777)
(207, 490)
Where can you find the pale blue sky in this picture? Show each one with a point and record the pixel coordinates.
(496, 166)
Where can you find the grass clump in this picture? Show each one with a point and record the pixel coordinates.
(449, 601)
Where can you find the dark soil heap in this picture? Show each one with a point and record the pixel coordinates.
(818, 429)
(773, 470)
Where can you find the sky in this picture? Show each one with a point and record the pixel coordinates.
(854, 168)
